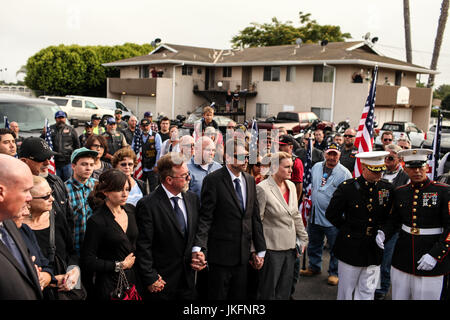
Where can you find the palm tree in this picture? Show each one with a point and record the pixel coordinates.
(438, 40)
(23, 69)
(408, 46)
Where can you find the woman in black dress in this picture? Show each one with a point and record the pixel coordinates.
(110, 240)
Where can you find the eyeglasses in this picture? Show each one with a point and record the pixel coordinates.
(348, 136)
(241, 157)
(185, 177)
(44, 197)
(387, 139)
(97, 146)
(404, 147)
(390, 158)
(126, 164)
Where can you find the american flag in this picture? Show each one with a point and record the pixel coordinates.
(305, 205)
(137, 147)
(364, 137)
(433, 158)
(253, 156)
(5, 119)
(48, 139)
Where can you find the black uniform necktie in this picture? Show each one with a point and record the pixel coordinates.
(12, 247)
(237, 185)
(180, 215)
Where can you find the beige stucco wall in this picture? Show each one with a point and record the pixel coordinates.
(131, 72)
(140, 104)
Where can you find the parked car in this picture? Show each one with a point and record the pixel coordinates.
(294, 122)
(414, 134)
(79, 109)
(108, 103)
(445, 139)
(29, 113)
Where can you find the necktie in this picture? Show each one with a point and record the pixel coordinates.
(170, 150)
(180, 216)
(12, 247)
(237, 186)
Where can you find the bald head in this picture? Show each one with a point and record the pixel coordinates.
(16, 182)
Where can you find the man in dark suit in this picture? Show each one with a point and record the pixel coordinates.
(167, 221)
(230, 225)
(18, 276)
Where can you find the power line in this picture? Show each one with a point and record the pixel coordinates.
(418, 51)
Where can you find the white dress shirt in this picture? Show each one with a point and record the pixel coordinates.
(181, 204)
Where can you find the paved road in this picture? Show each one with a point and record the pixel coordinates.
(316, 287)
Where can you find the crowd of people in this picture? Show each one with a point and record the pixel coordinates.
(212, 216)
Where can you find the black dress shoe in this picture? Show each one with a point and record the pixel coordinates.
(380, 296)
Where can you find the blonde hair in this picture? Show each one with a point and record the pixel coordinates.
(38, 181)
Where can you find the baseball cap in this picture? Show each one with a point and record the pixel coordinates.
(286, 139)
(82, 152)
(148, 114)
(88, 124)
(60, 114)
(333, 147)
(111, 121)
(118, 111)
(36, 149)
(95, 117)
(145, 122)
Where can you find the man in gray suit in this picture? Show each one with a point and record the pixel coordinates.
(18, 276)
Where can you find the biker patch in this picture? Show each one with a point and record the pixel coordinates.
(429, 196)
(383, 193)
(66, 131)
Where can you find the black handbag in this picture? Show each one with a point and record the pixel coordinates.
(60, 267)
(124, 290)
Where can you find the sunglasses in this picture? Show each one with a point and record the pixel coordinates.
(404, 147)
(390, 158)
(185, 177)
(387, 139)
(127, 164)
(44, 197)
(241, 157)
(348, 136)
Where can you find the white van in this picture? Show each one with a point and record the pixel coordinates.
(108, 103)
(79, 109)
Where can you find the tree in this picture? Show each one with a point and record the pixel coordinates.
(445, 104)
(77, 70)
(438, 40)
(406, 18)
(441, 91)
(282, 33)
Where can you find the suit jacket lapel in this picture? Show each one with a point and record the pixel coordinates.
(30, 272)
(229, 185)
(165, 204)
(189, 214)
(277, 192)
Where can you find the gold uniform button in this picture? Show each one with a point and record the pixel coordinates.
(370, 200)
(439, 257)
(356, 206)
(443, 251)
(415, 203)
(348, 236)
(370, 219)
(414, 209)
(417, 191)
(415, 197)
(414, 224)
(446, 245)
(414, 217)
(370, 189)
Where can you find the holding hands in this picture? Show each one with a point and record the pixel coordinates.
(198, 261)
(256, 262)
(157, 286)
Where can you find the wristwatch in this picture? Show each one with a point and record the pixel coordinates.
(119, 265)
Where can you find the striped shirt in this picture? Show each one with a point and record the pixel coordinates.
(78, 194)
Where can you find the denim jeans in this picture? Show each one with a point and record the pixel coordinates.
(385, 268)
(316, 235)
(64, 171)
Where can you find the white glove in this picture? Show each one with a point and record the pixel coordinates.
(426, 263)
(380, 239)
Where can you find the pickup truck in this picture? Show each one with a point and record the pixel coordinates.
(79, 109)
(294, 122)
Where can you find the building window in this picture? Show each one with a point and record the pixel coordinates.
(271, 73)
(226, 72)
(323, 74)
(186, 70)
(398, 78)
(261, 110)
(143, 72)
(322, 113)
(290, 73)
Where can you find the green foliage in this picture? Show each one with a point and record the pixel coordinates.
(445, 104)
(77, 70)
(441, 91)
(282, 33)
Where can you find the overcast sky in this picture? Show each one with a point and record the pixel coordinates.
(27, 26)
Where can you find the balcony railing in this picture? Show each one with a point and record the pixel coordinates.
(418, 97)
(133, 86)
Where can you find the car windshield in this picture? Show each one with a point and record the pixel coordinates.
(289, 116)
(392, 127)
(59, 101)
(445, 129)
(29, 115)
